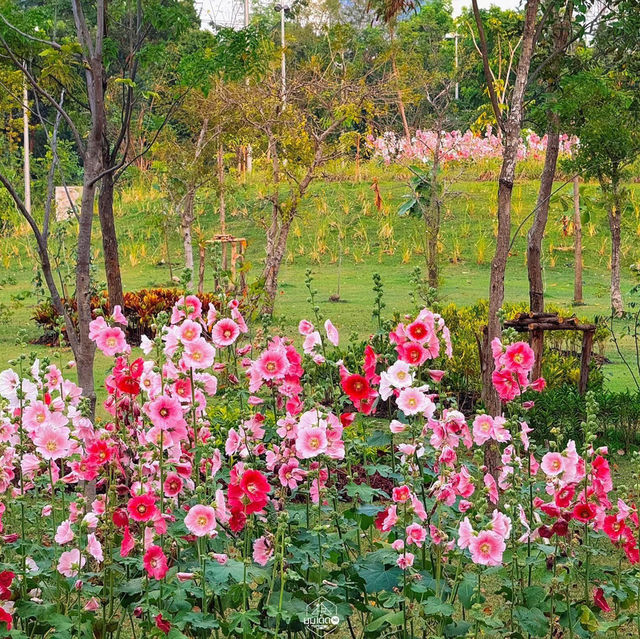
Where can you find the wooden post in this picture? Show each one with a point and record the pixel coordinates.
(223, 210)
(537, 344)
(587, 345)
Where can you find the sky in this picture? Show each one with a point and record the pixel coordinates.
(230, 12)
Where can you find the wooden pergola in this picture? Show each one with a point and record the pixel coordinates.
(537, 323)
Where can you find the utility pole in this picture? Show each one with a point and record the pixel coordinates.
(456, 46)
(26, 151)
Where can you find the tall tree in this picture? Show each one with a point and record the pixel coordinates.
(510, 125)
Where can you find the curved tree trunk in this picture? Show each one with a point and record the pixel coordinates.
(110, 242)
(536, 232)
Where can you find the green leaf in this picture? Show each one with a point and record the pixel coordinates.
(532, 620)
(434, 606)
(377, 579)
(392, 618)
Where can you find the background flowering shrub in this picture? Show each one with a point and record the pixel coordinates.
(237, 478)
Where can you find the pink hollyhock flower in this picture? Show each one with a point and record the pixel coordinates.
(492, 488)
(411, 401)
(189, 331)
(64, 534)
(524, 434)
(400, 494)
(52, 443)
(71, 562)
(155, 562)
(419, 331)
(225, 332)
(173, 485)
(483, 426)
(182, 577)
(487, 548)
(501, 524)
(416, 534)
(200, 520)
(128, 542)
(506, 385)
(418, 508)
(398, 545)
(412, 352)
(305, 327)
(397, 427)
(198, 354)
(290, 474)
(405, 560)
(332, 332)
(311, 340)
(552, 464)
(272, 364)
(518, 357)
(311, 442)
(165, 412)
(262, 550)
(539, 384)
(96, 327)
(387, 518)
(142, 507)
(92, 605)
(111, 341)
(94, 547)
(118, 315)
(436, 375)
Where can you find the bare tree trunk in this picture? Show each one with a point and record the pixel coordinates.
(577, 244)
(511, 137)
(561, 29)
(394, 68)
(615, 214)
(433, 218)
(110, 241)
(223, 205)
(186, 222)
(536, 232)
(276, 247)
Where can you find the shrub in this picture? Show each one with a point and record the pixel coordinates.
(140, 307)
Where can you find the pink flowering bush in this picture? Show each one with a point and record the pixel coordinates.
(238, 476)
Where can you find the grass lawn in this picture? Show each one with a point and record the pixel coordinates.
(344, 239)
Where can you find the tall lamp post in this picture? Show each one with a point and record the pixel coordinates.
(283, 9)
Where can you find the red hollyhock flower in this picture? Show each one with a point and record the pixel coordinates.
(155, 562)
(6, 578)
(99, 453)
(600, 601)
(254, 485)
(584, 512)
(137, 368)
(127, 384)
(237, 521)
(163, 624)
(564, 496)
(613, 527)
(142, 507)
(346, 419)
(7, 618)
(560, 528)
(120, 518)
(356, 387)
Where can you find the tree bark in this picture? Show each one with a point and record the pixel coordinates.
(110, 241)
(615, 212)
(433, 219)
(577, 244)
(186, 222)
(536, 232)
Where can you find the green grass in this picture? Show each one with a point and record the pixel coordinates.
(372, 241)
